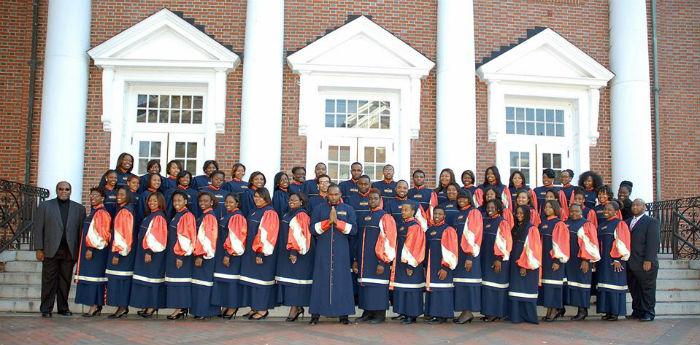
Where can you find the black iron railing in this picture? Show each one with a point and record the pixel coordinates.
(680, 226)
(18, 203)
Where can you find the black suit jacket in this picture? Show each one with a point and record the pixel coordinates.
(48, 227)
(645, 242)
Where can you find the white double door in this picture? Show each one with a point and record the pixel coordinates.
(532, 157)
(188, 148)
(373, 153)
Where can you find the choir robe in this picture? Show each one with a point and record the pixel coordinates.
(502, 193)
(555, 249)
(310, 188)
(247, 203)
(348, 187)
(182, 236)
(119, 276)
(590, 215)
(407, 297)
(90, 274)
(316, 200)
(377, 246)
(523, 291)
(296, 187)
(258, 281)
(451, 211)
(441, 195)
(360, 204)
(192, 203)
(236, 187)
(331, 290)
(199, 182)
(135, 199)
(141, 209)
(568, 190)
(233, 231)
(471, 189)
(514, 195)
(143, 183)
(470, 227)
(294, 279)
(591, 197)
(220, 194)
(614, 243)
(583, 245)
(496, 244)
(386, 188)
(441, 247)
(426, 198)
(600, 216)
(393, 207)
(122, 178)
(110, 203)
(280, 201)
(541, 193)
(148, 285)
(203, 276)
(167, 183)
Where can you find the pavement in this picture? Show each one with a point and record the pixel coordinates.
(32, 329)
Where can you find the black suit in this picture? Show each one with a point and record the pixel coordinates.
(60, 241)
(642, 284)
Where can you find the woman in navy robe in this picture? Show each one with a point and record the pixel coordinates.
(109, 183)
(583, 244)
(125, 162)
(148, 285)
(408, 278)
(449, 205)
(468, 181)
(182, 236)
(280, 196)
(204, 253)
(152, 167)
(441, 260)
(492, 179)
(183, 185)
(201, 181)
(256, 181)
(555, 254)
(447, 177)
(469, 225)
(524, 271)
(233, 229)
(614, 240)
(153, 185)
(134, 183)
(587, 213)
(237, 186)
(170, 181)
(491, 194)
(120, 262)
(590, 182)
(332, 289)
(516, 183)
(94, 248)
(497, 244)
(526, 198)
(216, 188)
(605, 196)
(566, 176)
(259, 261)
(295, 258)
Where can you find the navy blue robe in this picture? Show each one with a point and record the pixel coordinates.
(110, 202)
(387, 189)
(167, 183)
(494, 286)
(577, 291)
(310, 188)
(91, 277)
(294, 280)
(374, 288)
(177, 280)
(236, 187)
(220, 194)
(591, 197)
(439, 300)
(393, 207)
(523, 294)
(552, 289)
(280, 201)
(541, 193)
(258, 280)
(227, 291)
(612, 286)
(296, 187)
(143, 183)
(192, 203)
(200, 181)
(407, 297)
(467, 284)
(451, 212)
(348, 187)
(119, 276)
(422, 196)
(148, 285)
(203, 281)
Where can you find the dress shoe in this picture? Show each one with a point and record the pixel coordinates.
(408, 320)
(610, 318)
(47, 315)
(399, 317)
(632, 317)
(314, 319)
(366, 316)
(646, 318)
(344, 320)
(436, 320)
(581, 315)
(376, 320)
(65, 313)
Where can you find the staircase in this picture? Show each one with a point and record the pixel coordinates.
(677, 295)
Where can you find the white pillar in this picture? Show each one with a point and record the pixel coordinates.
(261, 108)
(64, 95)
(630, 113)
(456, 94)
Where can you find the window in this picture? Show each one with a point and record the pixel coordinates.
(553, 161)
(148, 150)
(520, 161)
(374, 161)
(339, 163)
(351, 113)
(186, 153)
(535, 121)
(169, 109)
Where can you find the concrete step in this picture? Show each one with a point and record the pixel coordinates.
(23, 266)
(25, 291)
(678, 274)
(694, 264)
(677, 284)
(675, 296)
(20, 278)
(674, 264)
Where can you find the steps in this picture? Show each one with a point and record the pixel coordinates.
(677, 295)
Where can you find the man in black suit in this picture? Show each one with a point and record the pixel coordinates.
(56, 229)
(643, 264)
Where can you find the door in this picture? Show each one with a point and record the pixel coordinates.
(373, 153)
(532, 159)
(149, 146)
(185, 147)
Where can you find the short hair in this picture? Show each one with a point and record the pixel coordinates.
(98, 190)
(161, 201)
(133, 177)
(571, 172)
(387, 166)
(413, 206)
(614, 204)
(265, 194)
(364, 176)
(549, 173)
(579, 191)
(374, 191)
(104, 176)
(320, 163)
(297, 168)
(463, 193)
(605, 189)
(400, 181)
(418, 171)
(356, 163)
(597, 180)
(182, 174)
(495, 202)
(217, 172)
(626, 184)
(333, 185)
(180, 193)
(211, 196)
(208, 163)
(319, 177)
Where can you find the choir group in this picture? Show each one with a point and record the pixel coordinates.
(205, 246)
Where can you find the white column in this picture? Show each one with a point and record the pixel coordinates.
(630, 113)
(456, 94)
(64, 95)
(261, 108)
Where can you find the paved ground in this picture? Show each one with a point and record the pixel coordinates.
(31, 329)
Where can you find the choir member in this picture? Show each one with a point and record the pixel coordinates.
(183, 184)
(350, 186)
(583, 245)
(566, 176)
(492, 179)
(360, 203)
(553, 195)
(237, 186)
(555, 254)
(152, 186)
(216, 188)
(450, 204)
(295, 258)
(280, 195)
(446, 178)
(393, 206)
(524, 270)
(331, 291)
(468, 181)
(387, 186)
(152, 167)
(408, 278)
(233, 231)
(94, 248)
(148, 288)
(605, 196)
(310, 187)
(120, 261)
(134, 183)
(614, 241)
(204, 254)
(467, 275)
(201, 181)
(182, 236)
(442, 250)
(259, 260)
(172, 169)
(490, 194)
(590, 182)
(586, 212)
(256, 181)
(125, 162)
(548, 176)
(376, 251)
(497, 244)
(526, 198)
(623, 198)
(298, 178)
(323, 182)
(109, 185)
(426, 197)
(516, 183)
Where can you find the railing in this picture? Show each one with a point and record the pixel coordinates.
(18, 203)
(680, 226)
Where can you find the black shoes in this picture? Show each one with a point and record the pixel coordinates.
(646, 318)
(366, 316)
(344, 320)
(182, 314)
(436, 320)
(609, 317)
(407, 320)
(119, 314)
(581, 315)
(300, 311)
(96, 312)
(46, 315)
(314, 319)
(65, 313)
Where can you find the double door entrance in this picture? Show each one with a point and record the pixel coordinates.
(188, 148)
(373, 153)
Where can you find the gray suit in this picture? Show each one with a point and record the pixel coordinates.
(60, 256)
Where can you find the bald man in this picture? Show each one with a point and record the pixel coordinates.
(643, 265)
